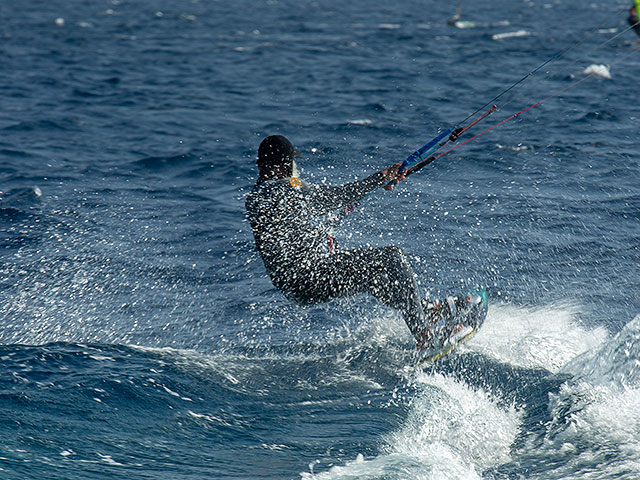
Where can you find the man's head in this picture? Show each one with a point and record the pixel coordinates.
(275, 157)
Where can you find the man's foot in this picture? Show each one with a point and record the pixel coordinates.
(450, 307)
(439, 322)
(438, 310)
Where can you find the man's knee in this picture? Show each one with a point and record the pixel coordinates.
(394, 254)
(393, 250)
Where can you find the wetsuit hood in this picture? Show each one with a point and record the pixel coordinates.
(274, 151)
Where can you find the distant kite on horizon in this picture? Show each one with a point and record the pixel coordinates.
(633, 17)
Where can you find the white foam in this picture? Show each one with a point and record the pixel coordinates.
(360, 121)
(380, 328)
(358, 469)
(238, 369)
(109, 461)
(517, 148)
(601, 71)
(464, 24)
(450, 416)
(545, 337)
(603, 419)
(615, 362)
(595, 414)
(452, 432)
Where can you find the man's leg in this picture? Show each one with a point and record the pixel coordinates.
(383, 272)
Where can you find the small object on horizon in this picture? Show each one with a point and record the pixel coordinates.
(456, 22)
(360, 121)
(464, 24)
(456, 17)
(633, 19)
(502, 36)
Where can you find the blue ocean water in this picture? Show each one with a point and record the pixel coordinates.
(140, 336)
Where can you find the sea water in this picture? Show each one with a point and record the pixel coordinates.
(140, 335)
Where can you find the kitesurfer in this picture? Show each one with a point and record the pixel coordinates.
(299, 253)
(633, 17)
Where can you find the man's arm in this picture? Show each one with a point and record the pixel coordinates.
(325, 198)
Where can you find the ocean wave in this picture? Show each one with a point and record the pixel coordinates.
(594, 420)
(545, 337)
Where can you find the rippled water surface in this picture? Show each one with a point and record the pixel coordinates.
(140, 336)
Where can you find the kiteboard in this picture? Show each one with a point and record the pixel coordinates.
(453, 321)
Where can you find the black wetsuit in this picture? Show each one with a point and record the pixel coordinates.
(292, 240)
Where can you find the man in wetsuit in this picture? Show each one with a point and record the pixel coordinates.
(298, 251)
